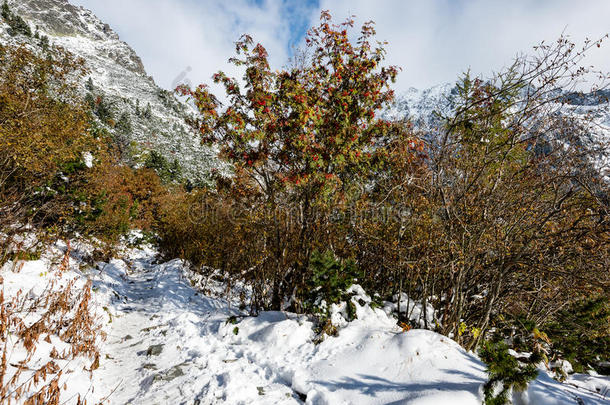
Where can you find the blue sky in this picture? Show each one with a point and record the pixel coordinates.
(299, 14)
(432, 40)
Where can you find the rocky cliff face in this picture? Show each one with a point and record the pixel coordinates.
(59, 18)
(150, 118)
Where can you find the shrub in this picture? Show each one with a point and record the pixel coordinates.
(506, 374)
(212, 230)
(119, 198)
(44, 43)
(303, 137)
(102, 108)
(147, 112)
(330, 278)
(43, 136)
(493, 212)
(168, 172)
(16, 24)
(123, 125)
(63, 311)
(490, 226)
(581, 333)
(46, 131)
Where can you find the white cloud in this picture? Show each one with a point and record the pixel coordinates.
(432, 40)
(175, 38)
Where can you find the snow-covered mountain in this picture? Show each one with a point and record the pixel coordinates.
(596, 107)
(155, 117)
(425, 107)
(422, 106)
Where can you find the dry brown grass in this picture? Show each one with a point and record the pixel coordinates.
(61, 311)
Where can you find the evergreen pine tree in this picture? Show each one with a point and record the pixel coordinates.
(148, 112)
(168, 172)
(103, 109)
(330, 278)
(16, 23)
(581, 333)
(44, 43)
(6, 13)
(176, 170)
(123, 126)
(506, 374)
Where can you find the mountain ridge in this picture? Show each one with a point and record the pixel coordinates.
(154, 119)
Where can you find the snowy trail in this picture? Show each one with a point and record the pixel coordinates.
(164, 345)
(169, 344)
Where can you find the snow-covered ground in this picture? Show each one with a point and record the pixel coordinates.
(170, 344)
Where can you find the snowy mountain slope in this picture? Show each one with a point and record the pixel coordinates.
(595, 106)
(156, 117)
(423, 108)
(168, 343)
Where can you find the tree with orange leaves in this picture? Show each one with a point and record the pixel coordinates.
(304, 133)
